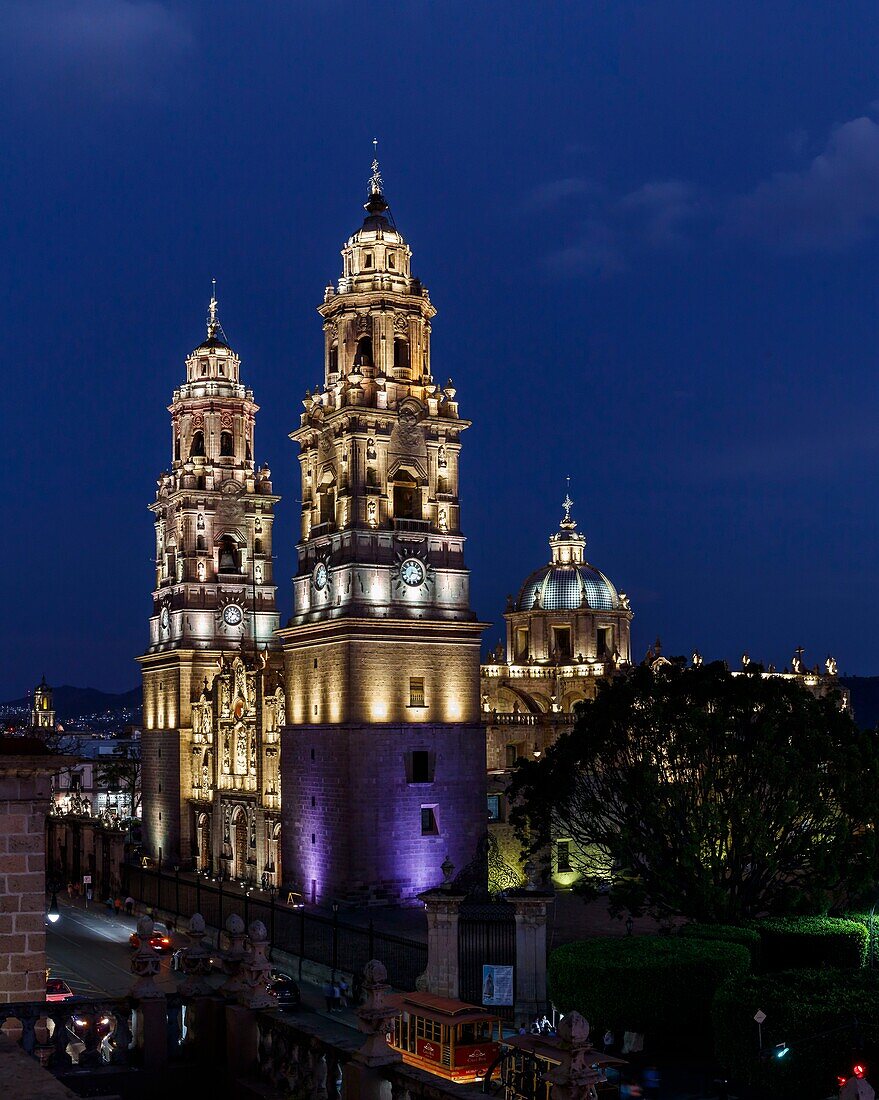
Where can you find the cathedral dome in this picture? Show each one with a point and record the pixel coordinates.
(566, 587)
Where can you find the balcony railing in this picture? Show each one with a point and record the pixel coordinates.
(401, 524)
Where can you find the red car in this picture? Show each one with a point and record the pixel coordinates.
(160, 940)
(57, 990)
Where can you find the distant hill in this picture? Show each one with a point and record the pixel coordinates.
(865, 699)
(75, 702)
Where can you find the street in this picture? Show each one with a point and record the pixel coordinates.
(89, 949)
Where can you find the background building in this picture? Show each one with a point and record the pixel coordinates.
(567, 630)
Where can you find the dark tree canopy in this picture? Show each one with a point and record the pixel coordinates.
(712, 795)
(123, 769)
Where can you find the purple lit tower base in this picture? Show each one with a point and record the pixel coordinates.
(370, 812)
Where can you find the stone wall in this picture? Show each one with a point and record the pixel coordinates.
(352, 815)
(24, 799)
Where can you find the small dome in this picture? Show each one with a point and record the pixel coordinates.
(563, 587)
(212, 344)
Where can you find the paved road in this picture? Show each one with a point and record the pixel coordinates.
(89, 949)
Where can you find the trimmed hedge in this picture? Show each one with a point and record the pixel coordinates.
(659, 985)
(802, 1007)
(787, 943)
(726, 933)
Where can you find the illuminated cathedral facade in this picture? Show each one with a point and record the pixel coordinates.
(351, 752)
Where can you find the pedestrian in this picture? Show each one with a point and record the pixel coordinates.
(70, 890)
(109, 903)
(330, 995)
(117, 906)
(651, 1082)
(129, 905)
(88, 895)
(344, 991)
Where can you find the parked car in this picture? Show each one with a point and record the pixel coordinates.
(160, 940)
(80, 1026)
(57, 990)
(285, 990)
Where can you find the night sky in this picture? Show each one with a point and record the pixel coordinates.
(651, 231)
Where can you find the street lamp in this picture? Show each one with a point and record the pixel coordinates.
(53, 914)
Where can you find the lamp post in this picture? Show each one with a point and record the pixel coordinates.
(176, 889)
(335, 938)
(272, 891)
(53, 912)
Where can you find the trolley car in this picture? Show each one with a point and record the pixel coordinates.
(524, 1061)
(446, 1037)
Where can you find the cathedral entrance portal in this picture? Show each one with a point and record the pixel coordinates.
(204, 842)
(239, 850)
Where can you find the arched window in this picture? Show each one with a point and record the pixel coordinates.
(227, 445)
(177, 448)
(257, 546)
(363, 355)
(196, 450)
(333, 359)
(401, 354)
(327, 505)
(248, 453)
(199, 542)
(228, 557)
(405, 498)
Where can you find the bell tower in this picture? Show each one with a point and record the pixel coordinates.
(383, 756)
(43, 711)
(214, 591)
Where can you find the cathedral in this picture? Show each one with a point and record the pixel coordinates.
(348, 754)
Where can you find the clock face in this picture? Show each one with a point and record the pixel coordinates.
(232, 615)
(320, 576)
(412, 572)
(165, 618)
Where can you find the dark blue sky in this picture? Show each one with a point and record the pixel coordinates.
(650, 231)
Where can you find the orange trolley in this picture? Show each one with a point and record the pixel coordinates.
(446, 1037)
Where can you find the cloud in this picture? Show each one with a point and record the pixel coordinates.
(829, 206)
(595, 249)
(108, 46)
(666, 207)
(551, 194)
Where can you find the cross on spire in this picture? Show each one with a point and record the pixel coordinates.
(568, 504)
(375, 182)
(213, 321)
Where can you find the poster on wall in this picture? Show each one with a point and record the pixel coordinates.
(497, 985)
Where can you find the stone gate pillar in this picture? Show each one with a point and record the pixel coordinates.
(443, 904)
(531, 907)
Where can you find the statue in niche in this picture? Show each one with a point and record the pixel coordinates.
(241, 749)
(282, 712)
(204, 774)
(442, 520)
(241, 681)
(200, 522)
(370, 450)
(441, 460)
(225, 698)
(257, 573)
(252, 766)
(179, 568)
(227, 756)
(201, 571)
(372, 514)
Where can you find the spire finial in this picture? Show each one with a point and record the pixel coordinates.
(375, 182)
(213, 323)
(568, 504)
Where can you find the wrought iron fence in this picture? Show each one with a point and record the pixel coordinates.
(327, 940)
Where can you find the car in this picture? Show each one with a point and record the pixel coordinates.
(84, 1024)
(285, 990)
(160, 939)
(57, 990)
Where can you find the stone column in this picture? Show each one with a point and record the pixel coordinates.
(443, 905)
(362, 1078)
(26, 770)
(530, 915)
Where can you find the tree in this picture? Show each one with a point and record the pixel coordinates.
(707, 794)
(123, 770)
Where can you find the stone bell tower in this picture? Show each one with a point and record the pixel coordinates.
(214, 589)
(383, 759)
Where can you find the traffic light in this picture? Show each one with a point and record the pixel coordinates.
(781, 1050)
